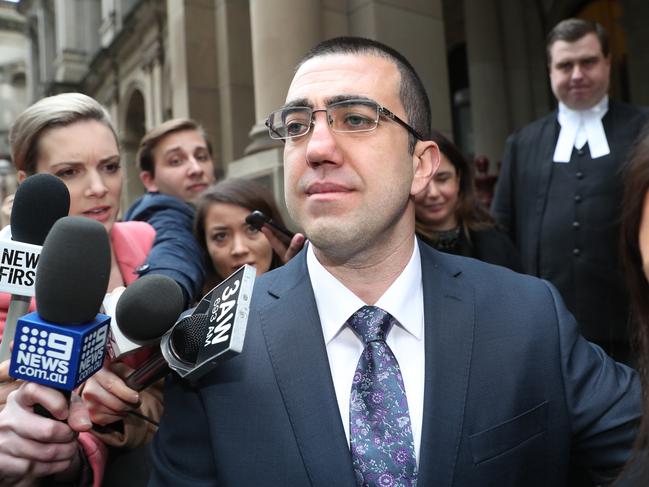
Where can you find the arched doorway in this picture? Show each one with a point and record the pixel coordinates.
(134, 129)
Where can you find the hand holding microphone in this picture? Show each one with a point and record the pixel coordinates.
(59, 346)
(148, 308)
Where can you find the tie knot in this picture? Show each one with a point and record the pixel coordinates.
(371, 323)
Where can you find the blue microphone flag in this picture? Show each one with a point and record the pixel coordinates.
(58, 356)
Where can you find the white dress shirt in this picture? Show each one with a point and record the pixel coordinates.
(404, 301)
(579, 127)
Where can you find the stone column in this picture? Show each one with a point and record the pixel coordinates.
(76, 29)
(191, 29)
(282, 31)
(416, 29)
(487, 81)
(236, 91)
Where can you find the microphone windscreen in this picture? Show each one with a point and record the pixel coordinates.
(73, 271)
(149, 307)
(187, 337)
(39, 202)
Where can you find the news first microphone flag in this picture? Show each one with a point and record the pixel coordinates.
(64, 342)
(40, 201)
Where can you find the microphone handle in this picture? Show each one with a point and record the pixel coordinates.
(18, 306)
(151, 371)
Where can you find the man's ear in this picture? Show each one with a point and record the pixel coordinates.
(425, 162)
(148, 180)
(22, 175)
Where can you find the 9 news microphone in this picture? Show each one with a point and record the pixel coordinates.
(39, 202)
(214, 331)
(63, 343)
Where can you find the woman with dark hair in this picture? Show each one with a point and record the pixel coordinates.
(635, 256)
(221, 229)
(450, 218)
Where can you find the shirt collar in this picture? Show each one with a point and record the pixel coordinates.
(336, 303)
(596, 111)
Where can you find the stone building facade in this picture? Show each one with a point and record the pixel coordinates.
(228, 63)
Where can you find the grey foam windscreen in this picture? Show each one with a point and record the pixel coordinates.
(188, 335)
(40, 201)
(73, 271)
(149, 307)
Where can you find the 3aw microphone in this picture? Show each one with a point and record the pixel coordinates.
(40, 201)
(63, 343)
(213, 331)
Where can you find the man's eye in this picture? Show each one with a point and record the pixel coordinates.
(295, 127)
(357, 121)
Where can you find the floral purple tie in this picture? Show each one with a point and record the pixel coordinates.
(383, 452)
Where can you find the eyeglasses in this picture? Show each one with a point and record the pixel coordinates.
(348, 116)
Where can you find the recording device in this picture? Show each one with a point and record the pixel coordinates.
(258, 219)
(194, 348)
(63, 343)
(213, 331)
(146, 309)
(39, 202)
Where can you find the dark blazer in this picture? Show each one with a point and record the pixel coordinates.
(511, 391)
(596, 293)
(489, 245)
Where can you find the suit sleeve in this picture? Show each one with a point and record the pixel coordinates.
(502, 207)
(182, 450)
(176, 253)
(603, 399)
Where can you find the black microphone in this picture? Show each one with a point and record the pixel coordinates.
(63, 343)
(39, 202)
(144, 312)
(214, 331)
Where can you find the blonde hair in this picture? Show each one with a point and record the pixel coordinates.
(52, 111)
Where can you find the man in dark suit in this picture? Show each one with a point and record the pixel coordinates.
(559, 193)
(483, 378)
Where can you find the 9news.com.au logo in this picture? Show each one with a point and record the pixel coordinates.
(44, 355)
(92, 352)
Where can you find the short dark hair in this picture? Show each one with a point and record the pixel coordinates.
(150, 140)
(240, 192)
(411, 92)
(571, 30)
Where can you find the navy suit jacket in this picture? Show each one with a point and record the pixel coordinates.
(512, 392)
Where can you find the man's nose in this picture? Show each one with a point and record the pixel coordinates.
(321, 145)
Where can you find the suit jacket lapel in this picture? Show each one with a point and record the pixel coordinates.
(295, 342)
(449, 333)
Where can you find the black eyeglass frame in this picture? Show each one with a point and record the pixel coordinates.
(381, 110)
